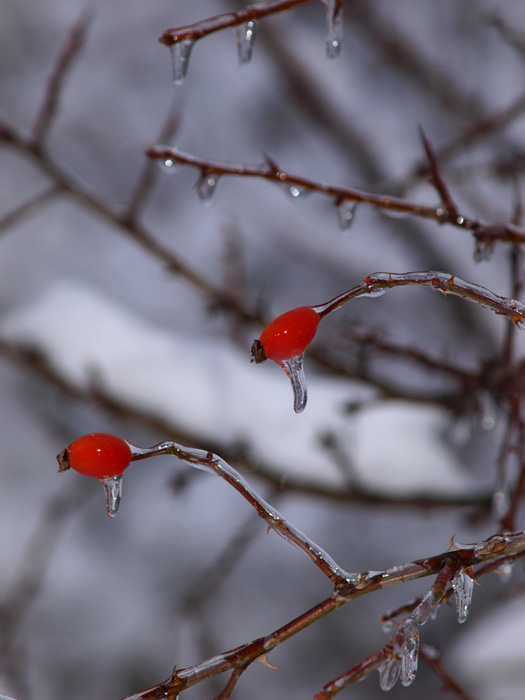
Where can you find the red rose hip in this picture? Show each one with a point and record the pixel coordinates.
(100, 455)
(287, 336)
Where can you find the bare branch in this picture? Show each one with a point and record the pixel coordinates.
(68, 53)
(27, 207)
(431, 658)
(298, 185)
(198, 30)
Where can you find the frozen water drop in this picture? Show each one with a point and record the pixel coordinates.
(346, 213)
(168, 165)
(295, 191)
(334, 23)
(294, 368)
(409, 658)
(113, 488)
(246, 34)
(180, 59)
(375, 292)
(206, 186)
(462, 584)
(389, 672)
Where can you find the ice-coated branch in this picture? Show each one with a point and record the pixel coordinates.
(378, 283)
(297, 185)
(214, 464)
(181, 40)
(445, 566)
(399, 657)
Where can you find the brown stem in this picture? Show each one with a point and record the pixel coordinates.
(198, 30)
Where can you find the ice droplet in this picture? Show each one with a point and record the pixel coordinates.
(113, 488)
(462, 584)
(375, 292)
(294, 368)
(409, 658)
(168, 165)
(206, 186)
(295, 191)
(334, 24)
(180, 59)
(346, 213)
(389, 673)
(246, 34)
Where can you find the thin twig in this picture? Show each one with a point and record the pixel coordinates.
(431, 658)
(15, 215)
(436, 179)
(198, 30)
(69, 51)
(133, 229)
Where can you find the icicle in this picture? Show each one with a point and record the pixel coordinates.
(462, 584)
(246, 34)
(389, 673)
(483, 250)
(334, 23)
(488, 409)
(206, 186)
(409, 658)
(294, 368)
(113, 488)
(180, 59)
(346, 213)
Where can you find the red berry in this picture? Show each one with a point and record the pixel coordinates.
(98, 454)
(287, 336)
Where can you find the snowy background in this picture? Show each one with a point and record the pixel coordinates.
(117, 603)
